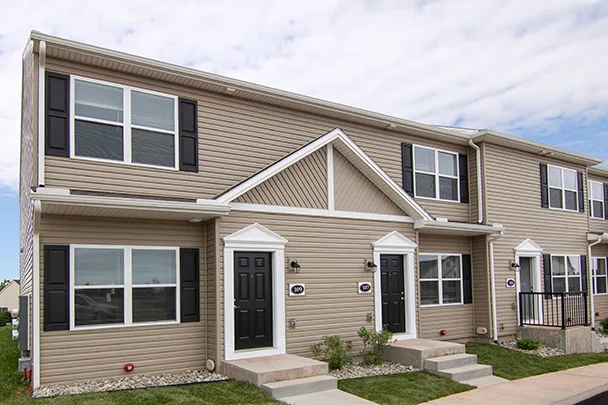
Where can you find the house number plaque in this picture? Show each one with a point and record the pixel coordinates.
(365, 288)
(297, 290)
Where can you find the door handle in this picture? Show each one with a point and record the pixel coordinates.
(402, 298)
(237, 307)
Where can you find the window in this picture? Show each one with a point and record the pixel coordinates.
(3, 309)
(436, 174)
(596, 199)
(123, 124)
(124, 285)
(566, 273)
(440, 279)
(563, 188)
(598, 268)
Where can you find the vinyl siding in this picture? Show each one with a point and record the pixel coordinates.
(600, 301)
(355, 192)
(596, 224)
(514, 201)
(481, 285)
(210, 286)
(331, 252)
(67, 356)
(237, 138)
(303, 184)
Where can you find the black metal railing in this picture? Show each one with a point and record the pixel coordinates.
(559, 310)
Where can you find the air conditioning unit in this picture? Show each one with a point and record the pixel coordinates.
(15, 323)
(15, 334)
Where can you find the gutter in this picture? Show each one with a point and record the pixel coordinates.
(479, 191)
(491, 241)
(590, 279)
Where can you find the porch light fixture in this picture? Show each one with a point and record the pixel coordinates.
(515, 266)
(370, 265)
(295, 266)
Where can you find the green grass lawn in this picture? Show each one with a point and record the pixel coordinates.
(402, 389)
(13, 391)
(511, 364)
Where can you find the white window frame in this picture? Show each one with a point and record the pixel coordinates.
(436, 173)
(566, 276)
(562, 188)
(591, 199)
(440, 279)
(594, 267)
(126, 124)
(127, 285)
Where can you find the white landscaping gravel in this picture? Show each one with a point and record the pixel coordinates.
(128, 383)
(542, 351)
(360, 370)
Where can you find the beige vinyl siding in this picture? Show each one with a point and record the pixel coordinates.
(331, 252)
(67, 356)
(481, 285)
(209, 285)
(432, 243)
(355, 192)
(237, 138)
(303, 185)
(600, 301)
(514, 201)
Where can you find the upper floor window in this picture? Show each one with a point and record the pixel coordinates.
(122, 123)
(435, 174)
(596, 199)
(563, 188)
(598, 268)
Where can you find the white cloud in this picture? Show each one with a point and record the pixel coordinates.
(485, 63)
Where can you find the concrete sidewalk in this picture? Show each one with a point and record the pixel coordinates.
(566, 387)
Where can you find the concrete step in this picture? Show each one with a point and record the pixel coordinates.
(484, 381)
(301, 386)
(269, 369)
(450, 361)
(413, 352)
(466, 372)
(333, 397)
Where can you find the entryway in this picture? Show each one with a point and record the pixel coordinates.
(393, 293)
(526, 284)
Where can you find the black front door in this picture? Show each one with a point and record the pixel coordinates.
(252, 300)
(393, 293)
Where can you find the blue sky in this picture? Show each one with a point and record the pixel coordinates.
(535, 69)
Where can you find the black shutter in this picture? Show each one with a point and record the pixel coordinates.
(547, 275)
(57, 114)
(463, 163)
(581, 191)
(188, 135)
(189, 285)
(56, 287)
(544, 186)
(605, 200)
(467, 280)
(584, 271)
(407, 165)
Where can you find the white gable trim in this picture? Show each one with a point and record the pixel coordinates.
(528, 248)
(347, 147)
(254, 235)
(394, 241)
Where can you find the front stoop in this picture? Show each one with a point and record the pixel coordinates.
(604, 342)
(301, 386)
(413, 352)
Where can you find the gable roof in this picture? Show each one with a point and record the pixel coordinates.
(354, 154)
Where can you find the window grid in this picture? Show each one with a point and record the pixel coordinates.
(436, 173)
(594, 198)
(562, 188)
(440, 279)
(599, 279)
(566, 277)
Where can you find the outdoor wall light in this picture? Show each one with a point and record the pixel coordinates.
(295, 266)
(370, 265)
(515, 266)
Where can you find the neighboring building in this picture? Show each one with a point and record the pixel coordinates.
(171, 216)
(9, 296)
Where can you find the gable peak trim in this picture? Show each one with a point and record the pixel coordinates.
(528, 246)
(255, 233)
(394, 240)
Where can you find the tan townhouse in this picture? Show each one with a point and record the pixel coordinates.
(175, 219)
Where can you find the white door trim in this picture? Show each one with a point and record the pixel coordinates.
(397, 244)
(255, 238)
(529, 248)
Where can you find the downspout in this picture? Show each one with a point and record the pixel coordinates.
(590, 280)
(479, 192)
(41, 104)
(36, 291)
(491, 241)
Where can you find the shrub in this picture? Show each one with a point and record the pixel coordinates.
(528, 344)
(332, 351)
(604, 324)
(373, 345)
(5, 317)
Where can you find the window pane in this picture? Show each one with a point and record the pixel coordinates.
(571, 200)
(98, 266)
(154, 304)
(429, 292)
(153, 148)
(574, 284)
(450, 267)
(429, 267)
(601, 285)
(555, 198)
(598, 209)
(573, 266)
(153, 111)
(98, 101)
(153, 266)
(559, 285)
(601, 266)
(597, 190)
(558, 265)
(448, 189)
(99, 306)
(570, 180)
(425, 159)
(98, 140)
(555, 176)
(425, 185)
(451, 292)
(447, 164)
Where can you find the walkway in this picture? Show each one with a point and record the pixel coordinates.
(566, 387)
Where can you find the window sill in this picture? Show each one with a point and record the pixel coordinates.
(119, 162)
(118, 326)
(438, 199)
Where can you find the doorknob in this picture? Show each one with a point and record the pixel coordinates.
(402, 298)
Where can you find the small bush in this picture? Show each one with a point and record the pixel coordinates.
(5, 317)
(332, 351)
(373, 345)
(604, 325)
(528, 344)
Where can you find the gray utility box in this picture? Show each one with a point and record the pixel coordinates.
(25, 362)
